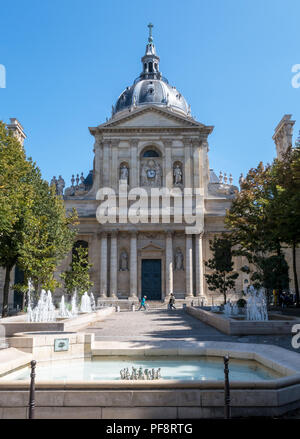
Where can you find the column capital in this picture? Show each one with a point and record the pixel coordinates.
(186, 141)
(114, 142)
(168, 143)
(134, 142)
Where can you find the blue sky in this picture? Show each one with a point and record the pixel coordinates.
(67, 61)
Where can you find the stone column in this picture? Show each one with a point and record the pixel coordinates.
(133, 265)
(134, 164)
(106, 163)
(189, 266)
(103, 266)
(169, 264)
(113, 266)
(114, 170)
(187, 163)
(168, 163)
(199, 266)
(97, 166)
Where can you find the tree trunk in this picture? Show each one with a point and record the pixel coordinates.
(6, 291)
(295, 276)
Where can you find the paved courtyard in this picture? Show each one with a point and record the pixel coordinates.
(162, 325)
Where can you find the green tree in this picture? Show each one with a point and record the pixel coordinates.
(253, 221)
(286, 206)
(78, 276)
(34, 230)
(222, 277)
(16, 198)
(50, 236)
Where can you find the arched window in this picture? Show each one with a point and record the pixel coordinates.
(150, 67)
(150, 153)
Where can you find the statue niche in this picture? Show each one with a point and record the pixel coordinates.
(123, 261)
(151, 170)
(178, 260)
(124, 172)
(177, 174)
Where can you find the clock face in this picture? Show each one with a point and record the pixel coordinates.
(151, 173)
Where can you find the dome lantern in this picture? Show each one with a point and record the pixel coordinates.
(151, 88)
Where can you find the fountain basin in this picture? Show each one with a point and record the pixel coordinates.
(194, 368)
(238, 325)
(165, 398)
(18, 324)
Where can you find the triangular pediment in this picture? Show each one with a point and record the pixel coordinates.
(152, 247)
(151, 116)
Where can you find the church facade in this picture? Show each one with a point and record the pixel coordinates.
(150, 145)
(151, 204)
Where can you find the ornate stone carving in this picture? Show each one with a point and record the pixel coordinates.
(123, 261)
(151, 174)
(177, 174)
(60, 186)
(53, 182)
(124, 172)
(178, 260)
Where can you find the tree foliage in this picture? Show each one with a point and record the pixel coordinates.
(223, 276)
(78, 276)
(265, 218)
(35, 233)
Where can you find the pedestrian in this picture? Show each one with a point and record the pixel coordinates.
(143, 303)
(172, 301)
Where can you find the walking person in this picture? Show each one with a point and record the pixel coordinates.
(172, 301)
(143, 304)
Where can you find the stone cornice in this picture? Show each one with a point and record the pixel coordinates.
(186, 123)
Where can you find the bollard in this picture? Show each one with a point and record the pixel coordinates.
(32, 391)
(226, 388)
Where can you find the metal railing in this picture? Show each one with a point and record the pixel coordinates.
(32, 391)
(226, 388)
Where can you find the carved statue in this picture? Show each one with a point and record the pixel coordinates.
(60, 185)
(124, 173)
(177, 173)
(178, 259)
(123, 261)
(54, 183)
(241, 179)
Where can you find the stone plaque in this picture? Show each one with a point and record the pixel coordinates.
(61, 344)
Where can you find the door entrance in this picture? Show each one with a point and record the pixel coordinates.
(151, 279)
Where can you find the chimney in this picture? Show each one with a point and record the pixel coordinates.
(283, 136)
(16, 129)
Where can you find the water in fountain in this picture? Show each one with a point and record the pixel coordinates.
(63, 311)
(74, 308)
(85, 305)
(231, 309)
(93, 302)
(44, 310)
(227, 309)
(256, 305)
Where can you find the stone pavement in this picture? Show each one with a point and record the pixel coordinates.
(162, 325)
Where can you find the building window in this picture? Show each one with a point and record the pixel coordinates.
(150, 153)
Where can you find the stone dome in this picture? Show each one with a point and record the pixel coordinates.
(151, 87)
(151, 91)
